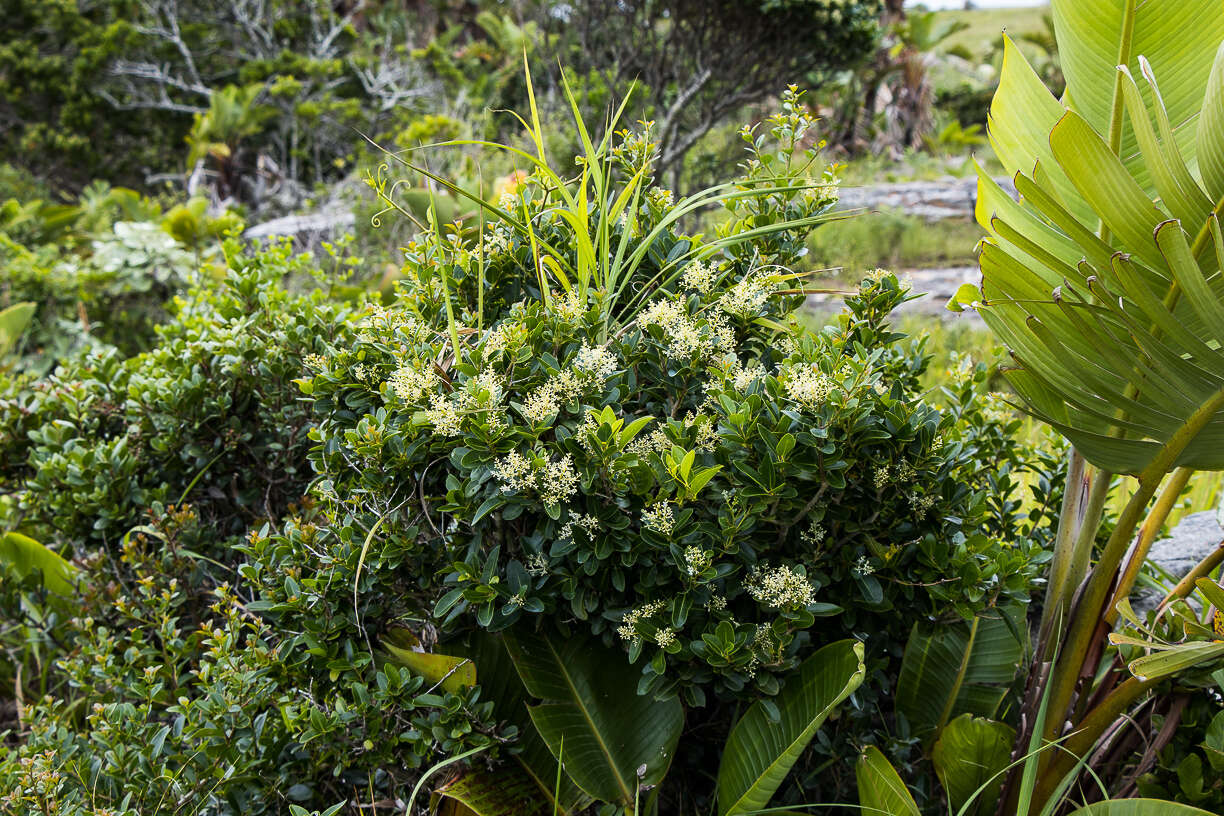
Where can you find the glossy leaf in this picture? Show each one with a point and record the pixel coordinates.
(615, 740)
(21, 555)
(761, 750)
(13, 322)
(447, 672)
(880, 789)
(969, 757)
(505, 791)
(952, 670)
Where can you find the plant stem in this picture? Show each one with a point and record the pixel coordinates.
(1088, 732)
(1147, 534)
(1086, 613)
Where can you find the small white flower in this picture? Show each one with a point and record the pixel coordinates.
(659, 518)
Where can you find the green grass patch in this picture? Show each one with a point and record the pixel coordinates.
(985, 26)
(892, 240)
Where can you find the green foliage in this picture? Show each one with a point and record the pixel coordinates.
(56, 123)
(1103, 282)
(610, 740)
(766, 742)
(1190, 768)
(192, 702)
(572, 464)
(209, 414)
(970, 759)
(881, 790)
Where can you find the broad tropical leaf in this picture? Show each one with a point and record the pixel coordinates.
(969, 757)
(1140, 807)
(760, 752)
(1104, 281)
(21, 555)
(505, 791)
(1178, 37)
(13, 322)
(952, 670)
(880, 789)
(501, 685)
(614, 739)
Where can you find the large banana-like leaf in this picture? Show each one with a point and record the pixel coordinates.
(952, 670)
(610, 740)
(13, 322)
(880, 789)
(1105, 280)
(760, 752)
(501, 685)
(1178, 37)
(505, 791)
(970, 757)
(1139, 807)
(21, 555)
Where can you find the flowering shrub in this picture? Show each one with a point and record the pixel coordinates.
(678, 464)
(580, 416)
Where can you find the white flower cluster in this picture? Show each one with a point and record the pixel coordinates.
(411, 383)
(569, 308)
(807, 385)
(814, 535)
(742, 377)
(444, 416)
(701, 276)
(593, 365)
(628, 628)
(553, 480)
(598, 361)
(505, 337)
(747, 296)
(921, 504)
(881, 477)
(696, 560)
(706, 438)
(585, 522)
(542, 403)
(686, 338)
(497, 241)
(659, 517)
(656, 441)
(780, 587)
(483, 392)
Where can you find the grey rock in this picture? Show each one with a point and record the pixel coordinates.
(1194, 538)
(933, 200)
(306, 228)
(935, 286)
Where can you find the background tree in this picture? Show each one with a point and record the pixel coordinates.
(701, 60)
